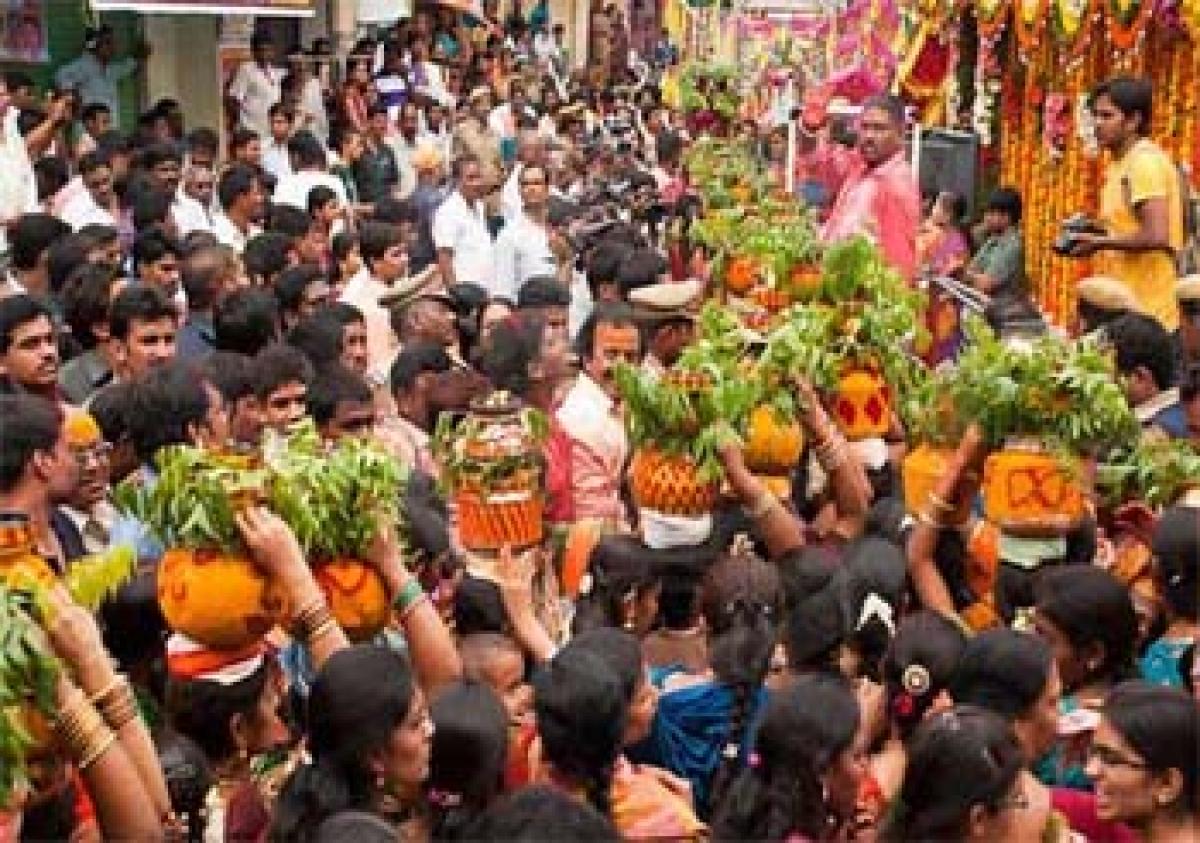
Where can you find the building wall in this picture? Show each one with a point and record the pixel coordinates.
(184, 65)
(65, 23)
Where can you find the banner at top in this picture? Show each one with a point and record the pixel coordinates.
(279, 8)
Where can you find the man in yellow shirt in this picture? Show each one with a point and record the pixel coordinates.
(1140, 204)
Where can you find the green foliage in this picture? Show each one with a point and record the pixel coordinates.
(92, 578)
(687, 420)
(28, 673)
(332, 497)
(450, 446)
(1157, 471)
(1061, 392)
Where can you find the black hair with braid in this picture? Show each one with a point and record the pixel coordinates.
(581, 712)
(741, 603)
(805, 728)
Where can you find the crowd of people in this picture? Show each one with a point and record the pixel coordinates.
(460, 214)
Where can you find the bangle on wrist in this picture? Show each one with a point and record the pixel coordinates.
(408, 595)
(412, 607)
(940, 504)
(763, 504)
(311, 619)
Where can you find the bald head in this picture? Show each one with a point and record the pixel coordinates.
(208, 274)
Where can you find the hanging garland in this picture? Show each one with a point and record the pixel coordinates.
(1127, 21)
(991, 16)
(1030, 24)
(1070, 24)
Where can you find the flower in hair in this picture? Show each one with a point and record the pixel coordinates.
(731, 750)
(904, 705)
(754, 761)
(916, 680)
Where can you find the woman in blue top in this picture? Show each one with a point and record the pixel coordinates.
(1086, 615)
(1176, 547)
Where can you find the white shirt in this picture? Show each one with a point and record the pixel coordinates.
(464, 231)
(503, 121)
(310, 113)
(364, 291)
(18, 187)
(82, 210)
(230, 235)
(403, 150)
(293, 189)
(96, 82)
(256, 90)
(435, 84)
(190, 215)
(511, 204)
(522, 251)
(275, 159)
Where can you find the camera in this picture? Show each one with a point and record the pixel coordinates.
(1065, 243)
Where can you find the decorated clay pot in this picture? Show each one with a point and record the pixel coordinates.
(1028, 492)
(862, 406)
(770, 299)
(804, 281)
(219, 599)
(18, 560)
(356, 596)
(920, 472)
(741, 273)
(669, 483)
(500, 502)
(772, 448)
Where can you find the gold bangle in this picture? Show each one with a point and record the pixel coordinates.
(310, 618)
(97, 699)
(924, 517)
(939, 503)
(79, 725)
(98, 748)
(324, 628)
(121, 710)
(764, 504)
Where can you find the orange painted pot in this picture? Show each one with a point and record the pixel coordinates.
(862, 405)
(219, 599)
(356, 596)
(1027, 492)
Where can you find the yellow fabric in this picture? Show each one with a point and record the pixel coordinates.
(1145, 172)
(81, 429)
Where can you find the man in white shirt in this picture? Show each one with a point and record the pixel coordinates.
(531, 152)
(464, 245)
(18, 187)
(523, 247)
(192, 210)
(274, 156)
(310, 108)
(256, 86)
(96, 205)
(404, 143)
(308, 170)
(385, 261)
(240, 192)
(94, 76)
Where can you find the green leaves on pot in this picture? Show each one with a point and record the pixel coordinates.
(1061, 392)
(1157, 471)
(28, 674)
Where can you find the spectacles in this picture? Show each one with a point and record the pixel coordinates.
(93, 453)
(1109, 757)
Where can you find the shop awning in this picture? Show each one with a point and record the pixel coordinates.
(278, 8)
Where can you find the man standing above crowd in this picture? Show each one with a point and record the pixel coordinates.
(256, 86)
(880, 197)
(523, 248)
(460, 232)
(1140, 205)
(94, 76)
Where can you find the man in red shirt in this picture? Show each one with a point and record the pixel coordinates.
(880, 198)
